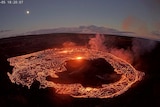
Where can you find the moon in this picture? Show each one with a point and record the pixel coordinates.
(27, 12)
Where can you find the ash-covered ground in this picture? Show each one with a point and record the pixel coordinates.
(143, 54)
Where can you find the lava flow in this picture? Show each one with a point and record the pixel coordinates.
(39, 65)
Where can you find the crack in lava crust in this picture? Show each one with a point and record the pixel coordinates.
(39, 65)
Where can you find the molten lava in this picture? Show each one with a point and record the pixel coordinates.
(39, 65)
(79, 58)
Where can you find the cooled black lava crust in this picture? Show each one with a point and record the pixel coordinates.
(89, 73)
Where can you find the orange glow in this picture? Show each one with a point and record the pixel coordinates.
(88, 89)
(64, 51)
(79, 58)
(59, 57)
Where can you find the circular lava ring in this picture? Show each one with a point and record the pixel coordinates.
(39, 65)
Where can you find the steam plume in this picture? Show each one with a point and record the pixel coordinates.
(97, 42)
(134, 24)
(138, 48)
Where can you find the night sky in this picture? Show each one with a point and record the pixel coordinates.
(139, 16)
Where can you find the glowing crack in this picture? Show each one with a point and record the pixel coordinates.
(39, 65)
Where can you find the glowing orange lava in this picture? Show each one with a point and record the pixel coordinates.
(89, 88)
(37, 66)
(79, 58)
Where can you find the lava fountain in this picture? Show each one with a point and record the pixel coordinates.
(39, 65)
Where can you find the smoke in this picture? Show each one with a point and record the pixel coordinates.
(122, 53)
(134, 24)
(100, 42)
(128, 22)
(97, 42)
(138, 47)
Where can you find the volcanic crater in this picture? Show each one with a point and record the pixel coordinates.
(89, 73)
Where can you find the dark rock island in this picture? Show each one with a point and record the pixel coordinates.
(89, 73)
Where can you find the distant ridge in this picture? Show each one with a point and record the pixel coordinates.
(81, 29)
(91, 29)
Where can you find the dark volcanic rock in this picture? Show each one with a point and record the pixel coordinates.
(144, 94)
(91, 73)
